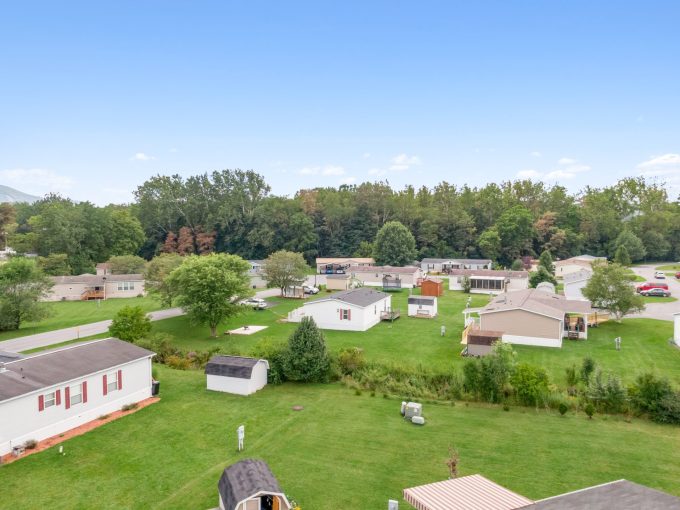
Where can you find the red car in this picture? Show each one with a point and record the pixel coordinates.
(677, 275)
(652, 285)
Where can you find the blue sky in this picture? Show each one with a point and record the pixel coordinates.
(96, 97)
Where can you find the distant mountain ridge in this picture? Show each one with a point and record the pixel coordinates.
(12, 195)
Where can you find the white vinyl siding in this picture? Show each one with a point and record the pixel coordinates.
(76, 394)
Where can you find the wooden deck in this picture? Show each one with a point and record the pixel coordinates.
(390, 315)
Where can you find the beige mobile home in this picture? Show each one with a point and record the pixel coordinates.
(89, 286)
(388, 277)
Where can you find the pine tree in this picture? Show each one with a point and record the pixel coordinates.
(546, 261)
(306, 358)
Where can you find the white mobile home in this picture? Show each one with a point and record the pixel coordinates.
(388, 277)
(351, 310)
(576, 264)
(234, 374)
(574, 284)
(51, 392)
(488, 281)
(430, 265)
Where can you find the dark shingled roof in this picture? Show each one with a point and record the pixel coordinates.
(245, 479)
(361, 297)
(421, 300)
(483, 337)
(622, 495)
(231, 366)
(45, 369)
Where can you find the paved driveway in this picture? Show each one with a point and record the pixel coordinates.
(661, 311)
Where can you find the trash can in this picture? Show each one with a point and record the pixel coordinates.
(155, 388)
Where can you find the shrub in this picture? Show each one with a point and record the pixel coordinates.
(607, 395)
(129, 407)
(30, 444)
(103, 416)
(530, 384)
(668, 410)
(178, 362)
(130, 323)
(306, 358)
(589, 409)
(563, 408)
(648, 391)
(587, 369)
(351, 359)
(489, 380)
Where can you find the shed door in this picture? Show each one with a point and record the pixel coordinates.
(253, 504)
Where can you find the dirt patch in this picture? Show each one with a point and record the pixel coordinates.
(78, 431)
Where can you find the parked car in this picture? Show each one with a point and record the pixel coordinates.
(677, 275)
(256, 303)
(660, 275)
(656, 293)
(652, 285)
(308, 289)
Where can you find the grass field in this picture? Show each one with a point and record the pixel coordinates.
(65, 314)
(658, 299)
(341, 451)
(414, 342)
(669, 267)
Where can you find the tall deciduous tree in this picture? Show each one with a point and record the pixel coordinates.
(515, 228)
(306, 358)
(156, 273)
(55, 264)
(622, 256)
(394, 245)
(127, 264)
(285, 269)
(633, 245)
(545, 261)
(22, 285)
(206, 287)
(610, 288)
(490, 244)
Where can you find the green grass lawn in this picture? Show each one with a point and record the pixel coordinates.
(341, 451)
(65, 314)
(669, 267)
(658, 299)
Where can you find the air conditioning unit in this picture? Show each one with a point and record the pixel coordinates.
(413, 409)
(392, 505)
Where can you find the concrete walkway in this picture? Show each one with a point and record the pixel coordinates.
(660, 311)
(39, 340)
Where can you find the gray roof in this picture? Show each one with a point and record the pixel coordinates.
(362, 297)
(622, 495)
(580, 275)
(7, 356)
(422, 300)
(385, 269)
(457, 261)
(537, 301)
(49, 368)
(231, 366)
(245, 479)
(94, 279)
(500, 273)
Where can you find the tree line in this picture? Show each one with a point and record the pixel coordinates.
(234, 211)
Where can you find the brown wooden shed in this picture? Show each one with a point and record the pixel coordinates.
(432, 287)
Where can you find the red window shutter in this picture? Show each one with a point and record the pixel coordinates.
(349, 314)
(67, 397)
(106, 390)
(58, 396)
(120, 379)
(84, 391)
(41, 403)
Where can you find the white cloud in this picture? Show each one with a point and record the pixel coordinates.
(566, 161)
(656, 166)
(309, 170)
(535, 154)
(333, 170)
(33, 179)
(402, 162)
(528, 174)
(140, 156)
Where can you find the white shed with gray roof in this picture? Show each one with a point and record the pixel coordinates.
(235, 374)
(422, 306)
(48, 393)
(351, 310)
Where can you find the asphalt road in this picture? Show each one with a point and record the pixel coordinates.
(661, 311)
(58, 336)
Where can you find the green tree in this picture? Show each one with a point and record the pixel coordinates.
(633, 245)
(541, 275)
(489, 243)
(306, 358)
(127, 264)
(517, 265)
(22, 285)
(156, 274)
(207, 286)
(365, 249)
(285, 269)
(394, 245)
(530, 384)
(621, 256)
(55, 264)
(130, 324)
(609, 288)
(516, 230)
(125, 235)
(545, 260)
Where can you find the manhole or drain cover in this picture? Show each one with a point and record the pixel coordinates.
(298, 408)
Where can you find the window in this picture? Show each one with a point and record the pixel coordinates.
(112, 382)
(126, 285)
(485, 284)
(75, 394)
(344, 315)
(50, 399)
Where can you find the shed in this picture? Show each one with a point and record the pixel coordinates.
(338, 282)
(250, 485)
(422, 306)
(432, 287)
(480, 341)
(234, 374)
(548, 287)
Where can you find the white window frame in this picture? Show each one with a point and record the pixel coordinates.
(126, 286)
(75, 394)
(49, 399)
(111, 382)
(345, 314)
